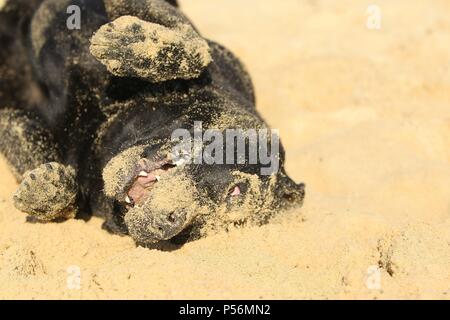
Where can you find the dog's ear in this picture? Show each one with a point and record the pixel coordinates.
(131, 47)
(173, 2)
(288, 193)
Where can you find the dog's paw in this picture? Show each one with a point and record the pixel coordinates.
(130, 47)
(48, 192)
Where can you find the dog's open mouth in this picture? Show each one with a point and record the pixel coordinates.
(146, 175)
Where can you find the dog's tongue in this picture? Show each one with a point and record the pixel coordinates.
(150, 173)
(141, 187)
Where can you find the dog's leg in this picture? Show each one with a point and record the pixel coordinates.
(155, 11)
(48, 189)
(150, 40)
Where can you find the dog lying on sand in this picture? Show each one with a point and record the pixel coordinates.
(87, 115)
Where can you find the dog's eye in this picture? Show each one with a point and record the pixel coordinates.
(235, 191)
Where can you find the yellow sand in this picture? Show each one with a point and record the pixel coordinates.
(365, 118)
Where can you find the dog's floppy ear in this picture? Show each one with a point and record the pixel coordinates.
(173, 2)
(289, 193)
(131, 47)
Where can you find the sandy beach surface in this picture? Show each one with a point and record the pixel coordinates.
(364, 115)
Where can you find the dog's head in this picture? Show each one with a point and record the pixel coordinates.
(163, 192)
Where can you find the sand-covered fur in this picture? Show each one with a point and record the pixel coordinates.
(96, 108)
(130, 47)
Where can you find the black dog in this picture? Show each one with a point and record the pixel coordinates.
(87, 116)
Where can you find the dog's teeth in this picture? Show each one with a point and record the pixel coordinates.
(127, 199)
(158, 178)
(143, 174)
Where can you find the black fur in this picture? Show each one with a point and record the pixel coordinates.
(89, 116)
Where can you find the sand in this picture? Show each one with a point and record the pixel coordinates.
(365, 119)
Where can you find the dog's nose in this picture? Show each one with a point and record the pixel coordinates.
(149, 226)
(170, 207)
